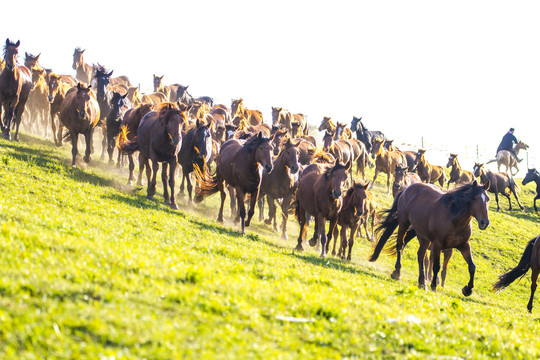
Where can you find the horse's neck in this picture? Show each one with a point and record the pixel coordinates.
(279, 165)
(485, 175)
(456, 169)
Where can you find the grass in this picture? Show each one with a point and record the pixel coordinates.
(90, 269)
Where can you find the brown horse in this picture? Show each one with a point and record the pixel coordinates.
(340, 149)
(57, 90)
(84, 72)
(38, 103)
(240, 165)
(499, 183)
(282, 118)
(134, 96)
(320, 195)
(402, 179)
(128, 133)
(442, 219)
(280, 184)
(427, 172)
(159, 138)
(15, 86)
(31, 61)
(328, 125)
(529, 260)
(506, 158)
(254, 117)
(154, 98)
(301, 120)
(168, 90)
(385, 161)
(457, 174)
(342, 132)
(79, 113)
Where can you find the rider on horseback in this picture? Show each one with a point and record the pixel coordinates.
(507, 143)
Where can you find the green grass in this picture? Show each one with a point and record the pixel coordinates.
(90, 269)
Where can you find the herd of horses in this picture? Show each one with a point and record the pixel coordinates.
(232, 150)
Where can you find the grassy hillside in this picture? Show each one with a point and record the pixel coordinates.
(90, 269)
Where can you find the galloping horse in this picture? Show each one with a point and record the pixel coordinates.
(427, 172)
(84, 71)
(57, 93)
(499, 182)
(385, 161)
(328, 125)
(403, 178)
(533, 175)
(457, 174)
(240, 164)
(79, 113)
(168, 90)
(15, 86)
(529, 260)
(364, 135)
(119, 105)
(104, 100)
(442, 219)
(506, 158)
(254, 117)
(31, 61)
(340, 149)
(38, 105)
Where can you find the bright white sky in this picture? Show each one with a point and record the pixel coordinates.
(456, 73)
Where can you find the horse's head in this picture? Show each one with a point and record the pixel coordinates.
(52, 83)
(479, 203)
(202, 141)
(102, 78)
(30, 60)
(36, 74)
(11, 50)
(180, 91)
(290, 155)
(117, 102)
(77, 58)
(389, 145)
(377, 147)
(338, 175)
(236, 105)
(263, 152)
(521, 146)
(275, 115)
(174, 119)
(157, 82)
(339, 130)
(325, 123)
(399, 176)
(531, 175)
(354, 123)
(420, 156)
(229, 131)
(451, 160)
(358, 194)
(82, 97)
(328, 139)
(277, 137)
(478, 169)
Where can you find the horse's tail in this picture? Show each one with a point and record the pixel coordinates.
(124, 144)
(517, 272)
(388, 225)
(513, 185)
(491, 161)
(206, 184)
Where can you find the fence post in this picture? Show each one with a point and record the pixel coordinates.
(422, 142)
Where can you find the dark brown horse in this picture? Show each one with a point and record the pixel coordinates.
(499, 182)
(159, 139)
(118, 106)
(57, 94)
(240, 165)
(442, 219)
(320, 195)
(253, 117)
(403, 178)
(280, 184)
(84, 72)
(457, 174)
(79, 113)
(533, 175)
(529, 260)
(427, 172)
(15, 86)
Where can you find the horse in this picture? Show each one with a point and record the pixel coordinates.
(282, 118)
(280, 184)
(358, 204)
(499, 183)
(457, 174)
(15, 87)
(327, 125)
(301, 120)
(240, 164)
(207, 100)
(529, 260)
(84, 71)
(154, 98)
(159, 139)
(506, 158)
(38, 104)
(364, 135)
(57, 93)
(533, 175)
(196, 150)
(79, 113)
(409, 155)
(403, 178)
(168, 90)
(104, 100)
(427, 172)
(442, 219)
(254, 117)
(342, 132)
(31, 61)
(385, 161)
(134, 96)
(128, 133)
(119, 105)
(220, 117)
(340, 149)
(321, 196)
(183, 95)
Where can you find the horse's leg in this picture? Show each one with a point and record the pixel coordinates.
(131, 168)
(285, 205)
(142, 163)
(516, 197)
(152, 185)
(252, 202)
(402, 230)
(103, 143)
(74, 143)
(272, 211)
(435, 263)
(53, 126)
(315, 238)
(428, 262)
(223, 194)
(497, 199)
(301, 214)
(172, 171)
(447, 256)
(164, 177)
(321, 220)
(110, 148)
(241, 209)
(332, 226)
(509, 201)
(534, 279)
(374, 177)
(88, 138)
(467, 255)
(260, 203)
(421, 255)
(351, 241)
(181, 190)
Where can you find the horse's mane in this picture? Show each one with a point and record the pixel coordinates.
(166, 109)
(336, 167)
(254, 141)
(457, 200)
(321, 154)
(100, 68)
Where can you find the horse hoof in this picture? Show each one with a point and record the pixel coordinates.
(466, 291)
(111, 162)
(174, 206)
(312, 242)
(220, 220)
(102, 157)
(130, 183)
(167, 202)
(284, 236)
(333, 253)
(348, 258)
(422, 286)
(323, 254)
(268, 221)
(395, 275)
(150, 197)
(87, 159)
(299, 248)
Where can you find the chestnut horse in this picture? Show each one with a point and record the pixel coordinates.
(506, 158)
(168, 90)
(159, 138)
(280, 184)
(385, 161)
(442, 219)
(240, 164)
(499, 183)
(320, 195)
(15, 86)
(31, 61)
(342, 132)
(341, 149)
(529, 260)
(403, 178)
(57, 93)
(533, 175)
(38, 105)
(409, 155)
(457, 174)
(427, 172)
(254, 117)
(79, 113)
(84, 71)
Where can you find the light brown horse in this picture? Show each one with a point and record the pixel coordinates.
(340, 149)
(38, 105)
(79, 113)
(499, 182)
(385, 161)
(57, 91)
(402, 179)
(427, 172)
(134, 96)
(154, 98)
(31, 61)
(282, 118)
(301, 120)
(240, 165)
(321, 196)
(254, 117)
(437, 218)
(457, 174)
(342, 132)
(529, 260)
(328, 125)
(506, 158)
(84, 72)
(168, 90)
(15, 86)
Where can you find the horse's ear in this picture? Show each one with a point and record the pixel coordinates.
(486, 185)
(25, 54)
(297, 142)
(169, 106)
(18, 43)
(161, 77)
(83, 51)
(197, 123)
(124, 96)
(89, 86)
(110, 73)
(7, 42)
(78, 85)
(336, 163)
(475, 183)
(260, 135)
(366, 185)
(37, 57)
